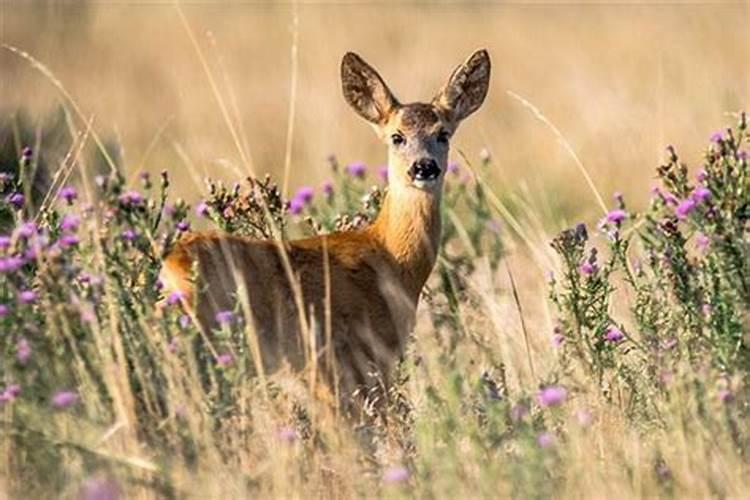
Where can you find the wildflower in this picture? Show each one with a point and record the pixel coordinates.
(383, 173)
(129, 235)
(224, 317)
(27, 153)
(613, 334)
(305, 194)
(27, 230)
(183, 226)
(202, 209)
(27, 297)
(99, 488)
(742, 155)
(69, 194)
(327, 188)
(454, 168)
(4, 310)
(545, 440)
(23, 351)
(64, 399)
(617, 216)
(70, 222)
(357, 169)
(130, 198)
(700, 194)
(296, 206)
(224, 360)
(725, 396)
(558, 339)
(4, 241)
(395, 475)
(17, 200)
(169, 210)
(10, 264)
(12, 391)
(702, 242)
(685, 208)
(175, 298)
(68, 240)
(184, 320)
(702, 175)
(717, 137)
(588, 268)
(553, 395)
(173, 345)
(287, 435)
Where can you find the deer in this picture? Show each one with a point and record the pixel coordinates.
(345, 302)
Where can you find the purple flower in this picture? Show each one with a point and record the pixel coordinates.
(184, 321)
(27, 153)
(553, 395)
(742, 155)
(12, 391)
(202, 209)
(175, 298)
(327, 188)
(10, 264)
(588, 268)
(27, 230)
(725, 396)
(64, 399)
(68, 240)
(173, 345)
(183, 226)
(454, 168)
(383, 173)
(69, 194)
(357, 169)
(305, 194)
(224, 360)
(130, 198)
(224, 317)
(27, 297)
(100, 488)
(701, 194)
(23, 350)
(129, 235)
(702, 175)
(17, 200)
(70, 222)
(617, 216)
(4, 242)
(395, 475)
(545, 440)
(685, 208)
(558, 339)
(296, 206)
(717, 137)
(702, 242)
(614, 334)
(4, 310)
(287, 435)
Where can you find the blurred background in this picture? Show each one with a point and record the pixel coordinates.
(619, 81)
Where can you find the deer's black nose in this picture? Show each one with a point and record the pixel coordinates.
(425, 169)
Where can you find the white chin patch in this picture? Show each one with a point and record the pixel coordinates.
(424, 184)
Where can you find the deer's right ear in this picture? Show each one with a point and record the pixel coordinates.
(365, 91)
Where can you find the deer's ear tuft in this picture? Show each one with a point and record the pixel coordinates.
(466, 88)
(365, 90)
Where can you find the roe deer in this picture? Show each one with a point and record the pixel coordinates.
(345, 301)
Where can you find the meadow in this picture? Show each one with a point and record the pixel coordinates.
(583, 335)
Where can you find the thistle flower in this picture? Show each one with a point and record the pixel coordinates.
(27, 297)
(613, 334)
(700, 194)
(17, 200)
(129, 235)
(70, 222)
(725, 396)
(588, 268)
(27, 230)
(4, 242)
(64, 399)
(130, 198)
(224, 317)
(27, 153)
(327, 188)
(305, 194)
(23, 350)
(10, 264)
(558, 339)
(175, 298)
(224, 360)
(383, 173)
(553, 395)
(4, 310)
(183, 226)
(685, 208)
(202, 209)
(454, 168)
(545, 440)
(68, 240)
(396, 475)
(717, 137)
(69, 194)
(296, 206)
(616, 216)
(702, 242)
(357, 169)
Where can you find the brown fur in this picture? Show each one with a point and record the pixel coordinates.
(359, 289)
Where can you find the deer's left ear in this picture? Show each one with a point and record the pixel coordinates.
(466, 88)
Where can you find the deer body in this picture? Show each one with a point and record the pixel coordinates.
(353, 295)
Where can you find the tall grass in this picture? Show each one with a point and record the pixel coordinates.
(630, 381)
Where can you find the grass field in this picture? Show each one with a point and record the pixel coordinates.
(536, 369)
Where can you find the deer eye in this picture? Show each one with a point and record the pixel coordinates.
(397, 139)
(443, 137)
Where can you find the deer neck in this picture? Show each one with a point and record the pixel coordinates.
(408, 226)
